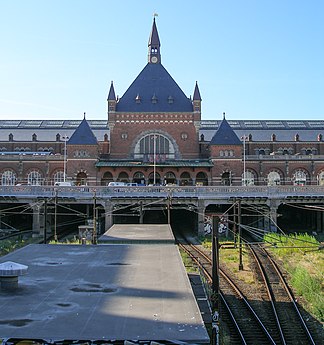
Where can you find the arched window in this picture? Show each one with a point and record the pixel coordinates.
(299, 178)
(58, 176)
(154, 147)
(248, 179)
(8, 178)
(35, 178)
(320, 178)
(273, 178)
(261, 152)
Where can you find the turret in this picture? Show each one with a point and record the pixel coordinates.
(111, 99)
(196, 99)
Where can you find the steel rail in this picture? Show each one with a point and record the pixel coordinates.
(269, 292)
(236, 289)
(291, 297)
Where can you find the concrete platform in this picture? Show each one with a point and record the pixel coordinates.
(138, 233)
(103, 292)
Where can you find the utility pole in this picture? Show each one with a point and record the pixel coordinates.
(94, 232)
(55, 216)
(169, 208)
(240, 235)
(215, 282)
(141, 219)
(234, 223)
(45, 220)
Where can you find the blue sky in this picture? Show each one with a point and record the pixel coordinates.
(253, 59)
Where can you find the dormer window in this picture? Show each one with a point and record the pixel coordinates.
(170, 100)
(138, 99)
(154, 99)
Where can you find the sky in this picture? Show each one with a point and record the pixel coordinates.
(252, 59)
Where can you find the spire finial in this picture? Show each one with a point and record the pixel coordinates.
(84, 115)
(224, 115)
(154, 45)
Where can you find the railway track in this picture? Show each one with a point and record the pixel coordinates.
(276, 320)
(290, 325)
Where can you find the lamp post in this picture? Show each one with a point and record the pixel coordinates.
(244, 165)
(55, 217)
(154, 160)
(65, 138)
(215, 281)
(94, 232)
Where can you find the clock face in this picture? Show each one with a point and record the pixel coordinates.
(154, 59)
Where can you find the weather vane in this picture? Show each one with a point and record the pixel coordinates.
(155, 14)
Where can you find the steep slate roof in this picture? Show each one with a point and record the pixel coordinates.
(196, 95)
(83, 135)
(154, 37)
(111, 94)
(225, 135)
(154, 80)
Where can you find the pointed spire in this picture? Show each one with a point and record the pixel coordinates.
(154, 45)
(111, 94)
(225, 135)
(83, 135)
(196, 95)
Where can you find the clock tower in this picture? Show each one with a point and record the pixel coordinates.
(154, 45)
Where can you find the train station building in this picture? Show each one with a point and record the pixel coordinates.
(155, 134)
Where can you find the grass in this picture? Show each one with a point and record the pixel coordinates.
(188, 263)
(7, 246)
(229, 255)
(298, 254)
(304, 262)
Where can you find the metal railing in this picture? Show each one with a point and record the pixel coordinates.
(210, 192)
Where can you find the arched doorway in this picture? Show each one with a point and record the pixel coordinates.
(185, 179)
(139, 178)
(170, 178)
(226, 178)
(106, 178)
(201, 179)
(81, 179)
(157, 179)
(123, 177)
